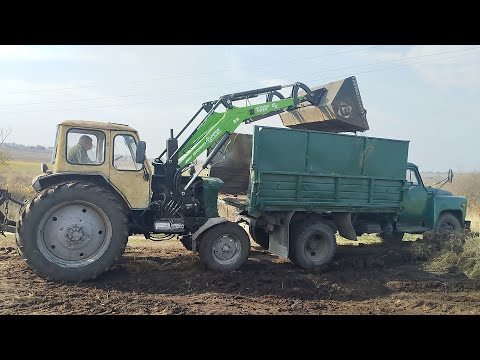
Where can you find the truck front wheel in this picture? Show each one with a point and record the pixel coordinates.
(448, 222)
(224, 247)
(312, 244)
(72, 232)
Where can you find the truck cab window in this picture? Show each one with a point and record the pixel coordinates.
(412, 177)
(124, 149)
(85, 147)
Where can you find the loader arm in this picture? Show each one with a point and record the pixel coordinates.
(217, 125)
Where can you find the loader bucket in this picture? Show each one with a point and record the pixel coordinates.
(340, 110)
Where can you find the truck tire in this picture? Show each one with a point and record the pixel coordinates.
(258, 235)
(72, 232)
(448, 222)
(224, 247)
(312, 244)
(396, 237)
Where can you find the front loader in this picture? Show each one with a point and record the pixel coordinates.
(78, 224)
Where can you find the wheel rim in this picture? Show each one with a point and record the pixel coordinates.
(226, 249)
(74, 234)
(316, 248)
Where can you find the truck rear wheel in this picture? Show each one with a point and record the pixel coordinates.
(72, 232)
(259, 235)
(312, 244)
(224, 247)
(448, 222)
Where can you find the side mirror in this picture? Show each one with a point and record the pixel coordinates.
(43, 168)
(140, 154)
(450, 175)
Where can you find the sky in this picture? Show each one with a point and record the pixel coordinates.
(425, 94)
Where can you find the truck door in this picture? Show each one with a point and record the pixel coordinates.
(415, 202)
(125, 173)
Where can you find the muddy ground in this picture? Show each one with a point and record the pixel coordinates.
(164, 278)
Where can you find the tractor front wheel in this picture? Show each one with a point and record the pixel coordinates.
(224, 247)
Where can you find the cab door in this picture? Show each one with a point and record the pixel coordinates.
(415, 203)
(129, 177)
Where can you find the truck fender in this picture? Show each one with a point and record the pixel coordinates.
(210, 223)
(279, 239)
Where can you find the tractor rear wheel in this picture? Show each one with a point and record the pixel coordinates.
(72, 232)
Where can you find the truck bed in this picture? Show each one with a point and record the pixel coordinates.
(316, 171)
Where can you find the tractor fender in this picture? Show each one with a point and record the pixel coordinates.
(210, 223)
(42, 182)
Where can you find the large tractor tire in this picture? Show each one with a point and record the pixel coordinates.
(448, 222)
(72, 232)
(312, 244)
(258, 235)
(224, 247)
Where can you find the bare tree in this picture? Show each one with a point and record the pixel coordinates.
(4, 134)
(3, 154)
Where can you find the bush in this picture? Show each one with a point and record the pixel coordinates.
(451, 252)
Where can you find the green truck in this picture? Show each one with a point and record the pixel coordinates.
(307, 185)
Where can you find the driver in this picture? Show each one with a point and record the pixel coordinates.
(78, 153)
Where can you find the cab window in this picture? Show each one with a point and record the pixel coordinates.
(412, 177)
(124, 149)
(85, 147)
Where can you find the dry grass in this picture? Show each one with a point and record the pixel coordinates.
(468, 185)
(17, 177)
(454, 253)
(474, 217)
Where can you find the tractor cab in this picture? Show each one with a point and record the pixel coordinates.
(102, 153)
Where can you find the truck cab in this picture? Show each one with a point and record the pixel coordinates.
(425, 207)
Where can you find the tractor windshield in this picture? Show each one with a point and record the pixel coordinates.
(125, 148)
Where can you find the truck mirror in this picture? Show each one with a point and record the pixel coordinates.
(140, 153)
(450, 175)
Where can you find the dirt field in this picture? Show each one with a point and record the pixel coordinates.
(164, 278)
